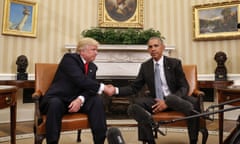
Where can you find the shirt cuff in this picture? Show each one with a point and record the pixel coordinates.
(116, 90)
(101, 89)
(82, 98)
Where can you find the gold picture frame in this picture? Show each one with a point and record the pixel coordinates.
(216, 21)
(20, 18)
(128, 14)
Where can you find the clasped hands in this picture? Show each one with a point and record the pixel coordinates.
(109, 90)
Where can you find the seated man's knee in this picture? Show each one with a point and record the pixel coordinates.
(179, 104)
(97, 101)
(55, 104)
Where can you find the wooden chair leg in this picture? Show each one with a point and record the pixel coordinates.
(79, 135)
(155, 133)
(38, 139)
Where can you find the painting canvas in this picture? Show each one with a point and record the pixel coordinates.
(216, 21)
(121, 13)
(20, 18)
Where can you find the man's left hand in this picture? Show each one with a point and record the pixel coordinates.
(159, 106)
(75, 105)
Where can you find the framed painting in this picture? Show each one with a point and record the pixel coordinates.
(216, 21)
(120, 13)
(20, 18)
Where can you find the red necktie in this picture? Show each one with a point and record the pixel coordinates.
(86, 68)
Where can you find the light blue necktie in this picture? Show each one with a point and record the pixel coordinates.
(158, 82)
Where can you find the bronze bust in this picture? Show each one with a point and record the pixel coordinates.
(221, 70)
(22, 63)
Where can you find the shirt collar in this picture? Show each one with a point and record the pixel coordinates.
(160, 61)
(84, 61)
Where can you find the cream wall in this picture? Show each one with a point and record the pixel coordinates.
(60, 22)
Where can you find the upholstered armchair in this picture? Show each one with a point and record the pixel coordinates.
(191, 75)
(44, 73)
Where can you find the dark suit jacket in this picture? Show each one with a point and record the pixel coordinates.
(174, 74)
(70, 80)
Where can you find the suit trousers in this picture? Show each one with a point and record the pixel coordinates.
(145, 132)
(55, 108)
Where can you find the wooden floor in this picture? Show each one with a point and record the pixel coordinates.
(27, 127)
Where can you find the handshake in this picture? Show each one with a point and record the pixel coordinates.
(109, 90)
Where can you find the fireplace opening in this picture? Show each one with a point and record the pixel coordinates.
(116, 106)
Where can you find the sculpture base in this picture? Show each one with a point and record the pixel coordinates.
(220, 77)
(22, 76)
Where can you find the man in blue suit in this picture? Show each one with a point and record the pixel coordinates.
(75, 89)
(174, 88)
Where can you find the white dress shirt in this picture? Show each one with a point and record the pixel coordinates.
(165, 88)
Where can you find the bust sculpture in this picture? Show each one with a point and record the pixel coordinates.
(221, 70)
(22, 63)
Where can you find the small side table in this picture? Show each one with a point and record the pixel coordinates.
(212, 84)
(8, 98)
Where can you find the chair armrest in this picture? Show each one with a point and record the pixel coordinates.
(37, 115)
(36, 95)
(198, 93)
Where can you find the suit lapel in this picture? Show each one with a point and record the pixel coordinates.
(150, 69)
(91, 70)
(168, 71)
(80, 62)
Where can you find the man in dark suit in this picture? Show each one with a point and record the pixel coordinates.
(174, 88)
(75, 89)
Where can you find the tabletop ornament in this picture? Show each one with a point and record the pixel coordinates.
(221, 70)
(22, 63)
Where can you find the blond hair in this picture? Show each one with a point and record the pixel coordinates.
(82, 43)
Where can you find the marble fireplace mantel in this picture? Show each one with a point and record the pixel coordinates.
(120, 60)
(71, 48)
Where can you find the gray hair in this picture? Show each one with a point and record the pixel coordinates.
(155, 37)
